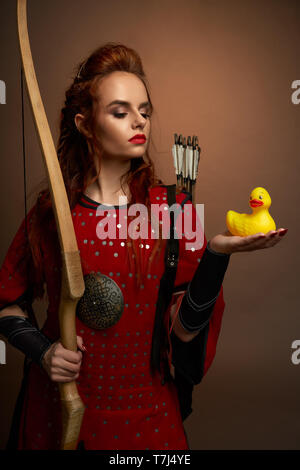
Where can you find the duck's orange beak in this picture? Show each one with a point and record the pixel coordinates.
(256, 203)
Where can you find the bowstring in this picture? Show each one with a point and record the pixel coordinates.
(23, 152)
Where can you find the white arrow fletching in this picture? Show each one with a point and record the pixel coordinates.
(180, 158)
(174, 153)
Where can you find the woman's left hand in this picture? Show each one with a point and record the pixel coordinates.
(227, 243)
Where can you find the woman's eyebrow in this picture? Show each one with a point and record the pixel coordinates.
(126, 103)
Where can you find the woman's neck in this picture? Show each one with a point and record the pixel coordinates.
(107, 188)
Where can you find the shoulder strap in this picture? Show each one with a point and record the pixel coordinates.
(159, 338)
(172, 251)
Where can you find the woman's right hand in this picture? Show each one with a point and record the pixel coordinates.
(61, 364)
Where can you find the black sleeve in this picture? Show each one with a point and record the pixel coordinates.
(202, 292)
(188, 360)
(24, 336)
(192, 359)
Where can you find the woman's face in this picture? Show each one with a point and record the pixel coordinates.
(121, 111)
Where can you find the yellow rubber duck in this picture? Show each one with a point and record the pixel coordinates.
(259, 221)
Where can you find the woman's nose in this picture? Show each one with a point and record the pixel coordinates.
(139, 121)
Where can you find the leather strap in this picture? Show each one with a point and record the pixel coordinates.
(160, 341)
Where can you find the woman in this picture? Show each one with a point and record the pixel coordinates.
(102, 149)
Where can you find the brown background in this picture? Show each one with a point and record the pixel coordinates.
(222, 70)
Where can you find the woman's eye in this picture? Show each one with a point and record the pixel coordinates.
(122, 115)
(119, 115)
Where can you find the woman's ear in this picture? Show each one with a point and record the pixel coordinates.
(79, 120)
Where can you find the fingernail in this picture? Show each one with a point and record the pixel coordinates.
(84, 348)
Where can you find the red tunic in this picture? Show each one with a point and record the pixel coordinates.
(126, 408)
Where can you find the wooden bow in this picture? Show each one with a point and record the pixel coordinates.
(72, 287)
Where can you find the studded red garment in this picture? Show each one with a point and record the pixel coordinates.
(126, 408)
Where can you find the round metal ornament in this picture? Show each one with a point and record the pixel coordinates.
(102, 303)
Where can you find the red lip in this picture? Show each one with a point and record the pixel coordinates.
(138, 138)
(256, 203)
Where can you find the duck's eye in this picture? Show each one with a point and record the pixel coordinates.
(260, 197)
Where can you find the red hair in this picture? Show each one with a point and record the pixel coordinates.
(75, 153)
